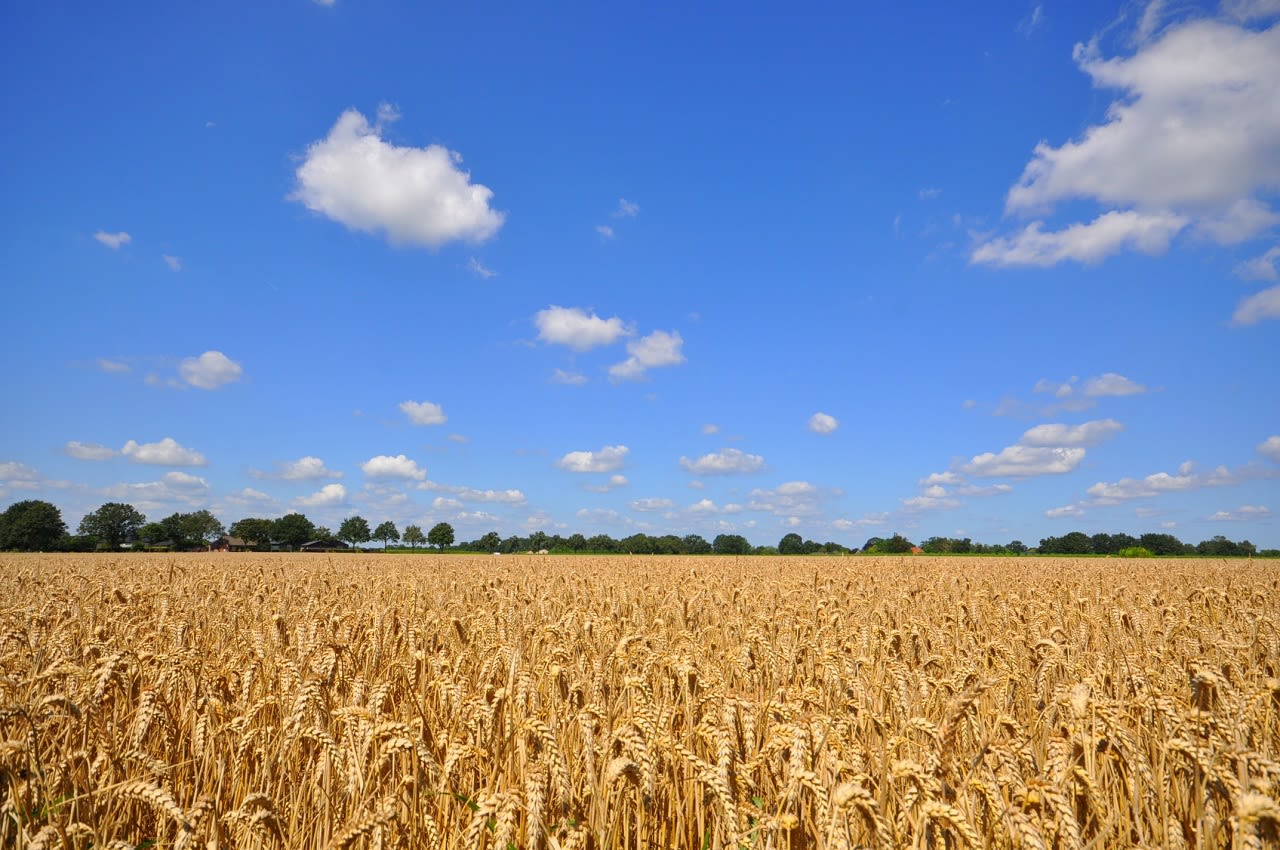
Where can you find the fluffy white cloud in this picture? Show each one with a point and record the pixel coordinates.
(605, 231)
(167, 452)
(940, 478)
(1255, 308)
(307, 468)
(1111, 384)
(1262, 267)
(651, 352)
(415, 196)
(1270, 448)
(614, 482)
(1089, 243)
(174, 263)
(917, 504)
(12, 472)
(113, 240)
(185, 481)
(210, 370)
(1247, 10)
(1244, 512)
(1202, 101)
(608, 459)
(578, 329)
(652, 505)
(822, 423)
(472, 494)
(423, 412)
(1085, 434)
(568, 378)
(1021, 461)
(399, 466)
(115, 366)
(791, 499)
(330, 495)
(723, 462)
(89, 451)
(1162, 482)
(626, 209)
(445, 503)
(1064, 512)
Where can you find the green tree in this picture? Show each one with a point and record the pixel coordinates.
(413, 536)
(1162, 545)
(895, 545)
(202, 527)
(154, 533)
(354, 530)
(441, 535)
(114, 524)
(490, 542)
(791, 544)
(576, 542)
(293, 530)
(695, 544)
(31, 526)
(254, 530)
(386, 532)
(731, 544)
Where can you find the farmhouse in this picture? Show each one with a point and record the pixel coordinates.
(323, 546)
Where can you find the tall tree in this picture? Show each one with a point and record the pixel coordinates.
(202, 527)
(441, 535)
(413, 535)
(386, 532)
(32, 526)
(293, 530)
(695, 544)
(114, 524)
(354, 530)
(791, 544)
(254, 530)
(731, 544)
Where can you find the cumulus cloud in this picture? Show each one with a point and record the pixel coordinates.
(1064, 512)
(1262, 267)
(1200, 100)
(822, 423)
(113, 240)
(1111, 384)
(330, 495)
(12, 472)
(1257, 307)
(167, 452)
(115, 366)
(416, 196)
(398, 466)
(473, 494)
(307, 468)
(1244, 512)
(1108, 493)
(608, 459)
(423, 412)
(605, 231)
(210, 370)
(89, 451)
(656, 350)
(1270, 448)
(614, 482)
(652, 505)
(791, 499)
(174, 263)
(568, 378)
(578, 329)
(1021, 461)
(626, 209)
(1085, 434)
(723, 462)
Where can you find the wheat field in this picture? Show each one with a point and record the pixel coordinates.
(365, 701)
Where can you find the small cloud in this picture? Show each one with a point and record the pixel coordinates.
(822, 423)
(710, 429)
(113, 240)
(478, 268)
(328, 496)
(307, 468)
(174, 263)
(458, 438)
(929, 193)
(569, 378)
(614, 482)
(167, 452)
(1270, 448)
(626, 209)
(1260, 268)
(89, 451)
(605, 231)
(1111, 384)
(113, 366)
(1085, 434)
(1064, 512)
(608, 459)
(423, 412)
(577, 329)
(1256, 308)
(399, 466)
(723, 462)
(656, 350)
(1241, 514)
(1032, 21)
(651, 505)
(210, 370)
(1022, 461)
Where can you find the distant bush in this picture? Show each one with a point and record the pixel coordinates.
(1136, 552)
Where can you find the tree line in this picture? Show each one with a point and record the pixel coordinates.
(37, 526)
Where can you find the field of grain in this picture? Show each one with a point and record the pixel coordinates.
(272, 701)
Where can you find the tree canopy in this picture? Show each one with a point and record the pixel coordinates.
(113, 524)
(32, 526)
(441, 535)
(354, 530)
(386, 532)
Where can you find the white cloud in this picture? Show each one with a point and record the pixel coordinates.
(1111, 384)
(1270, 448)
(416, 196)
(1201, 101)
(656, 350)
(167, 452)
(791, 499)
(12, 472)
(710, 429)
(933, 478)
(423, 412)
(568, 378)
(113, 240)
(472, 494)
(608, 459)
(1021, 461)
(916, 504)
(480, 269)
(651, 505)
(1162, 482)
(444, 503)
(330, 495)
(605, 231)
(723, 462)
(174, 263)
(1089, 243)
(399, 466)
(579, 330)
(1261, 268)
(1255, 308)
(1248, 10)
(307, 468)
(115, 366)
(89, 451)
(210, 370)
(614, 482)
(822, 423)
(1086, 434)
(626, 209)
(1064, 511)
(186, 481)
(1244, 512)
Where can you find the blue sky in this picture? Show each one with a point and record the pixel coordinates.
(1000, 272)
